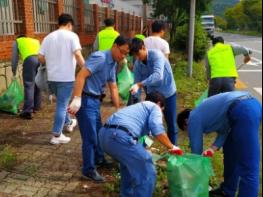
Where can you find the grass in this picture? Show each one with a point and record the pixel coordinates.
(8, 158)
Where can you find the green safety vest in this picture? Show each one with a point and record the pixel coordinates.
(140, 36)
(222, 61)
(107, 38)
(27, 47)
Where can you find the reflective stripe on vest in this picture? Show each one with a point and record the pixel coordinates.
(28, 47)
(222, 61)
(107, 38)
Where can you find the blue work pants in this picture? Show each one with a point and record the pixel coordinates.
(89, 120)
(170, 118)
(242, 150)
(138, 174)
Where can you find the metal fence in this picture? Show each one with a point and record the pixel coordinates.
(10, 17)
(45, 15)
(71, 7)
(89, 22)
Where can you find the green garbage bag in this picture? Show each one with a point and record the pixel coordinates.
(12, 97)
(201, 98)
(188, 175)
(125, 81)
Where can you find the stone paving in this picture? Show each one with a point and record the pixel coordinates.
(42, 169)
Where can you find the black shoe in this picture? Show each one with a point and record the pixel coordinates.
(217, 193)
(104, 163)
(26, 116)
(95, 176)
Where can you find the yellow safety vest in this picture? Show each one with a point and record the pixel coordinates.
(140, 36)
(27, 47)
(222, 61)
(107, 38)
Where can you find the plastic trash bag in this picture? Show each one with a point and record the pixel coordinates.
(201, 98)
(41, 78)
(12, 98)
(125, 81)
(188, 175)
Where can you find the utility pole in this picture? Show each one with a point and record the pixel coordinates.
(191, 38)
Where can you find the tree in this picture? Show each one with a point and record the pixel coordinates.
(246, 15)
(177, 12)
(221, 22)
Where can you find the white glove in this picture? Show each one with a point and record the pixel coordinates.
(134, 89)
(176, 151)
(75, 105)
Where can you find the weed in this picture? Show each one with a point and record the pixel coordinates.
(7, 157)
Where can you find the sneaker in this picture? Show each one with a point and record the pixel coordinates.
(62, 139)
(26, 116)
(217, 193)
(70, 128)
(94, 176)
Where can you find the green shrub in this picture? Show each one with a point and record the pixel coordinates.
(201, 40)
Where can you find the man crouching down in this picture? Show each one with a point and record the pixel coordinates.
(119, 139)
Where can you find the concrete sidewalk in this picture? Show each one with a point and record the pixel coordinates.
(42, 169)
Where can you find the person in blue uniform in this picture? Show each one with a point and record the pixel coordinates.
(153, 72)
(119, 139)
(236, 117)
(99, 70)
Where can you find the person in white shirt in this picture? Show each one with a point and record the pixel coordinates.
(60, 51)
(155, 41)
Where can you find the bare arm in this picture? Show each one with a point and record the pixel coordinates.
(79, 58)
(163, 138)
(114, 94)
(41, 59)
(83, 74)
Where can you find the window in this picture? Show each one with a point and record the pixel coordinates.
(71, 7)
(45, 15)
(10, 17)
(102, 17)
(89, 18)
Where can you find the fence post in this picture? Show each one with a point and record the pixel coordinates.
(81, 16)
(96, 17)
(60, 7)
(28, 17)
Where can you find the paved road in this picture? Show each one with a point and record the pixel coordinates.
(250, 74)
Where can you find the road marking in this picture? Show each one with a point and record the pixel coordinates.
(240, 85)
(258, 90)
(250, 71)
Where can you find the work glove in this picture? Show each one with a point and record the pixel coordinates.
(176, 151)
(134, 89)
(75, 105)
(209, 153)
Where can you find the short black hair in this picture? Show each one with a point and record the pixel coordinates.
(136, 45)
(156, 97)
(158, 26)
(109, 22)
(121, 40)
(21, 36)
(218, 40)
(65, 19)
(182, 117)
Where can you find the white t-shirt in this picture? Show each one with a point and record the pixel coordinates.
(59, 48)
(155, 42)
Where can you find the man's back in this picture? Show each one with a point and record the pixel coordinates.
(155, 42)
(59, 48)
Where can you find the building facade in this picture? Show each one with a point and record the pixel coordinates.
(37, 18)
